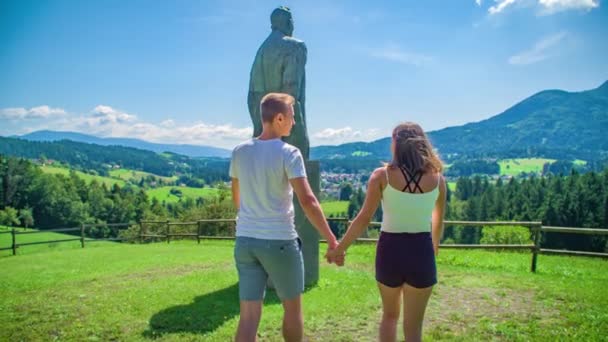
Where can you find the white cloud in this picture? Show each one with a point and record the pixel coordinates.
(554, 6)
(105, 121)
(540, 51)
(478, 2)
(167, 123)
(343, 135)
(502, 4)
(393, 53)
(544, 7)
(40, 112)
(106, 114)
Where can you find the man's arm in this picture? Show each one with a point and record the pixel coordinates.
(312, 209)
(236, 195)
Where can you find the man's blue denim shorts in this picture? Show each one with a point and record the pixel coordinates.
(258, 259)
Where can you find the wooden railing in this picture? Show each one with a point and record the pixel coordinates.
(82, 238)
(536, 229)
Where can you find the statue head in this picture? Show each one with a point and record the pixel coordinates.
(281, 20)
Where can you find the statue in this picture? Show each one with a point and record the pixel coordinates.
(279, 67)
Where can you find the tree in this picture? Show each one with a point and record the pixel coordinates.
(346, 190)
(26, 217)
(9, 217)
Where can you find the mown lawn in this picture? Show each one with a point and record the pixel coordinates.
(136, 176)
(163, 193)
(188, 292)
(109, 182)
(335, 208)
(514, 167)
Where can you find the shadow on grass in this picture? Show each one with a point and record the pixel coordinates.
(205, 314)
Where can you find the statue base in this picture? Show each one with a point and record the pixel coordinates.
(307, 232)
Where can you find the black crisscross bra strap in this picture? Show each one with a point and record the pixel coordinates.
(411, 180)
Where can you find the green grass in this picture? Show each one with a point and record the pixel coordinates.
(452, 186)
(335, 208)
(514, 167)
(360, 154)
(109, 182)
(6, 241)
(163, 193)
(188, 292)
(136, 176)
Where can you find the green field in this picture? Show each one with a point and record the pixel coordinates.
(6, 241)
(336, 208)
(188, 292)
(84, 176)
(136, 176)
(163, 193)
(514, 167)
(452, 186)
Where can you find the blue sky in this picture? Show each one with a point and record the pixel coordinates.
(178, 71)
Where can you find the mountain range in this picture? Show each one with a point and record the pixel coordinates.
(187, 150)
(552, 123)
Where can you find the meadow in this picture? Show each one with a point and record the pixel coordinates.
(163, 193)
(108, 181)
(188, 292)
(335, 208)
(513, 167)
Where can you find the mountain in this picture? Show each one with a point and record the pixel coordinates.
(551, 123)
(188, 150)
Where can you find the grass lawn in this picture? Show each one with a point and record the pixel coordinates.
(188, 292)
(136, 176)
(109, 182)
(514, 167)
(163, 193)
(337, 208)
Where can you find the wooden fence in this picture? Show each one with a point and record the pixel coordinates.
(82, 238)
(536, 229)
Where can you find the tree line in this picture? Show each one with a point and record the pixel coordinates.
(573, 200)
(30, 197)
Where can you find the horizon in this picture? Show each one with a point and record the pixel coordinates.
(129, 70)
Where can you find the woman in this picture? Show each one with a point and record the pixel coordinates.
(413, 195)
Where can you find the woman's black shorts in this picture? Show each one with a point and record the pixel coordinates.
(406, 258)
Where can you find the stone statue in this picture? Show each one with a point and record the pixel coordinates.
(279, 67)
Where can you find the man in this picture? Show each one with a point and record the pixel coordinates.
(265, 171)
(279, 67)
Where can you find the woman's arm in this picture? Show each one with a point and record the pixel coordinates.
(438, 215)
(361, 222)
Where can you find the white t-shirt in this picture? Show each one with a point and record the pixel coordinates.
(264, 168)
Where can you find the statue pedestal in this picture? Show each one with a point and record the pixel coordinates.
(306, 231)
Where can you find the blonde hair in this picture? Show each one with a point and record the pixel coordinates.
(413, 150)
(275, 103)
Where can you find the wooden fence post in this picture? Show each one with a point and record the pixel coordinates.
(14, 241)
(82, 235)
(167, 232)
(536, 249)
(141, 232)
(198, 231)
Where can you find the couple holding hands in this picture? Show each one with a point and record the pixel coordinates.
(265, 172)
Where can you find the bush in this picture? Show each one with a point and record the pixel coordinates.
(505, 235)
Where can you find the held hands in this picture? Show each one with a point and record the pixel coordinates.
(334, 254)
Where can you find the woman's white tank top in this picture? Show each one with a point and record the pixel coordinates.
(406, 212)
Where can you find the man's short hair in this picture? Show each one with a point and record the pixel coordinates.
(275, 103)
(279, 17)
